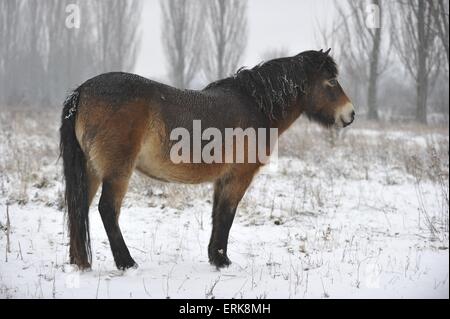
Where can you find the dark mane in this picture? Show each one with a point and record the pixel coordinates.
(276, 83)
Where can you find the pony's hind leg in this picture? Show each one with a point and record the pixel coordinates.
(93, 183)
(228, 192)
(113, 192)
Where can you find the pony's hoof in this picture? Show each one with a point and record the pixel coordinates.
(127, 265)
(81, 265)
(220, 261)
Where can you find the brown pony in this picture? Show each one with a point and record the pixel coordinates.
(117, 122)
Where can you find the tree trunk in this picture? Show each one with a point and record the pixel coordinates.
(422, 98)
(422, 77)
(373, 77)
(221, 42)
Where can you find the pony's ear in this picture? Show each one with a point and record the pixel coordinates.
(321, 50)
(327, 51)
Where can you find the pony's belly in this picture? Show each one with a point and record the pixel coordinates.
(155, 165)
(186, 173)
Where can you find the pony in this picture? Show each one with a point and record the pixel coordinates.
(118, 122)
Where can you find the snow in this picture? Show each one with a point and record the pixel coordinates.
(320, 227)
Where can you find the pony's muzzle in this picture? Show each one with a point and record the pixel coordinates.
(346, 115)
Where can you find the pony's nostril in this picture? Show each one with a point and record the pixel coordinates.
(353, 114)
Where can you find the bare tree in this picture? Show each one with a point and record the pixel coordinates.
(33, 60)
(338, 34)
(364, 44)
(181, 37)
(11, 32)
(41, 58)
(118, 37)
(226, 24)
(71, 52)
(417, 46)
(328, 35)
(440, 12)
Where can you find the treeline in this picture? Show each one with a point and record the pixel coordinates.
(203, 39)
(42, 56)
(394, 56)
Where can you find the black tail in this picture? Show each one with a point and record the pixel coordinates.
(76, 195)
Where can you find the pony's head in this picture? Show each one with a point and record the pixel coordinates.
(304, 83)
(325, 101)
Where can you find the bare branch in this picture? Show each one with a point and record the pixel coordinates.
(182, 34)
(226, 24)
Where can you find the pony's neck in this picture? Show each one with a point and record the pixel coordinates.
(294, 111)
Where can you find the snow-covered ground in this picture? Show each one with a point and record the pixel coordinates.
(360, 215)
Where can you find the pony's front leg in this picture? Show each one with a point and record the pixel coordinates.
(223, 216)
(228, 192)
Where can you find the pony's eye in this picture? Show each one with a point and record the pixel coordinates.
(332, 82)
